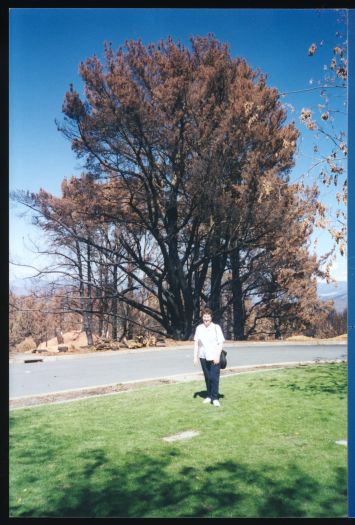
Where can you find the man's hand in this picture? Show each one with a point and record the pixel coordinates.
(216, 359)
(195, 360)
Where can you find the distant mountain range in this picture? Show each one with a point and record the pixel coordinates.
(337, 292)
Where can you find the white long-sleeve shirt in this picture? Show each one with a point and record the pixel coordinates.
(210, 339)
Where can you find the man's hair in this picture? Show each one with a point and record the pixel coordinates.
(206, 311)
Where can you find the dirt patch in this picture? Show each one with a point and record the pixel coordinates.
(84, 393)
(76, 341)
(343, 337)
(300, 338)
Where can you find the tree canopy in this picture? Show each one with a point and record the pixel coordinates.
(185, 199)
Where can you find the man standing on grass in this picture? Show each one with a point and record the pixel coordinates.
(208, 346)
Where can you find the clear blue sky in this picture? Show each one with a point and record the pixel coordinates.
(47, 46)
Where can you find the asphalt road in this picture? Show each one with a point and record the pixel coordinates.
(87, 370)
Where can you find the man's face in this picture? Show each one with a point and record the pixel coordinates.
(206, 319)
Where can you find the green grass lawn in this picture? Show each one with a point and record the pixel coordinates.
(268, 451)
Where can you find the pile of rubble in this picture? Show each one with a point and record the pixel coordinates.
(138, 342)
(76, 341)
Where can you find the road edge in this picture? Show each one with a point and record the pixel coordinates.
(65, 396)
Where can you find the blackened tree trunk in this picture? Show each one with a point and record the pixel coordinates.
(87, 327)
(179, 296)
(217, 271)
(84, 300)
(114, 305)
(239, 316)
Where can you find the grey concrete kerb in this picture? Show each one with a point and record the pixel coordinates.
(117, 388)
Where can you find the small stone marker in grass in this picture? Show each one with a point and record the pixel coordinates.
(342, 442)
(181, 435)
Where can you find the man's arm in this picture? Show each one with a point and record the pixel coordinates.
(195, 353)
(218, 353)
(219, 345)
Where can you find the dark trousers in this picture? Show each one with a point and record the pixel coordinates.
(211, 373)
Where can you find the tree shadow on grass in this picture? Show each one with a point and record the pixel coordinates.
(145, 486)
(324, 380)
